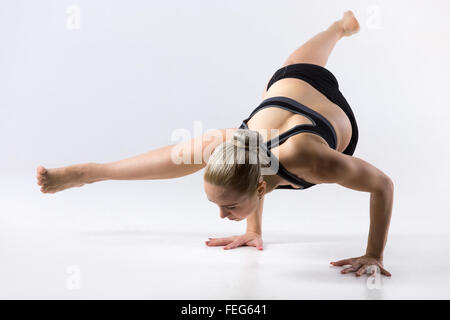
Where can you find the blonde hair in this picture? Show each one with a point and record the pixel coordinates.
(236, 164)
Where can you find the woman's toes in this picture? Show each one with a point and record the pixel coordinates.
(41, 171)
(42, 178)
(42, 181)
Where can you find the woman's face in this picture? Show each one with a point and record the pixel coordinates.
(231, 205)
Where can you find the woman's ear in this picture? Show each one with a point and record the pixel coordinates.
(261, 188)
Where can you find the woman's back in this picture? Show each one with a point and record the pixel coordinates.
(304, 93)
(304, 104)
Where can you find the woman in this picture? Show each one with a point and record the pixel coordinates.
(315, 137)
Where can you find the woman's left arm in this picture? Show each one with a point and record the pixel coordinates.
(331, 166)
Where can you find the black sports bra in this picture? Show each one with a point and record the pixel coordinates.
(320, 126)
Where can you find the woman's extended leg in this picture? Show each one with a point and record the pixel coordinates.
(167, 162)
(155, 164)
(317, 49)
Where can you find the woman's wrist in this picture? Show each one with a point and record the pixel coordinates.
(378, 256)
(254, 223)
(254, 230)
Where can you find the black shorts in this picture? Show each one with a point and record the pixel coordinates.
(326, 83)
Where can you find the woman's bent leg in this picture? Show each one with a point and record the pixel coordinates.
(317, 49)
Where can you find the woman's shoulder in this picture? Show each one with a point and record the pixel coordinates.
(299, 154)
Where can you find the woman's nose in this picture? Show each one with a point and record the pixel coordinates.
(223, 213)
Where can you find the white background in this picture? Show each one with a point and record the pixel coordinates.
(137, 70)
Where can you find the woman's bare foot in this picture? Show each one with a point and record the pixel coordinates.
(54, 180)
(349, 23)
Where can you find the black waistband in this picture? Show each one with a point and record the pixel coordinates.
(326, 83)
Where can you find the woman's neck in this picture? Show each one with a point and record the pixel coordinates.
(272, 181)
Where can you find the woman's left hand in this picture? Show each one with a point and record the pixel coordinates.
(360, 265)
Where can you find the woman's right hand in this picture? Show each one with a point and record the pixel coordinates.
(248, 239)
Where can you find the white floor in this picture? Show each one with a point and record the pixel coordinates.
(102, 91)
(125, 240)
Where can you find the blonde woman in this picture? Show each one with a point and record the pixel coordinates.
(316, 138)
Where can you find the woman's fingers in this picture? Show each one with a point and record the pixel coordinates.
(259, 244)
(341, 262)
(373, 268)
(219, 241)
(385, 272)
(236, 243)
(256, 243)
(361, 270)
(351, 269)
(361, 265)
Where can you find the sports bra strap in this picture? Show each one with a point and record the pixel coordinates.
(292, 132)
(320, 126)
